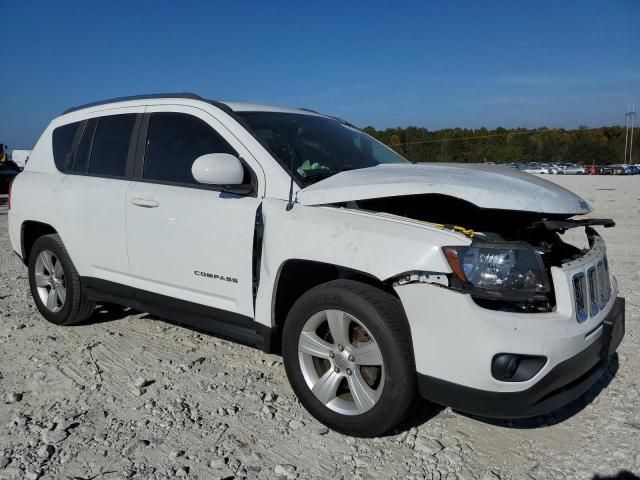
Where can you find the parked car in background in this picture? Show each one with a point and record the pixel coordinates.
(574, 170)
(594, 170)
(7, 174)
(556, 170)
(617, 170)
(539, 169)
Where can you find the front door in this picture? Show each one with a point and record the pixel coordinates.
(187, 242)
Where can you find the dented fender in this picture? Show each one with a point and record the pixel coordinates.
(381, 246)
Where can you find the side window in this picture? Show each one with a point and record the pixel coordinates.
(111, 145)
(63, 140)
(174, 141)
(81, 162)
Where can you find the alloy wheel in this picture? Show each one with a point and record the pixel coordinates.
(341, 362)
(50, 282)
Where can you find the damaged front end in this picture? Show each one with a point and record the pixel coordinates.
(507, 267)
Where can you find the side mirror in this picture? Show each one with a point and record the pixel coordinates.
(218, 169)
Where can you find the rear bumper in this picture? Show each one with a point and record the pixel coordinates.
(565, 382)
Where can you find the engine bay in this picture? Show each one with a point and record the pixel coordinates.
(541, 232)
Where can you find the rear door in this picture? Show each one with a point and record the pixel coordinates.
(99, 170)
(190, 245)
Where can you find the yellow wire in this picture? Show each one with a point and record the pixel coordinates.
(457, 228)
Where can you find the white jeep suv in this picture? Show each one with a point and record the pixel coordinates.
(378, 280)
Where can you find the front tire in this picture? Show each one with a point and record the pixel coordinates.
(55, 283)
(348, 355)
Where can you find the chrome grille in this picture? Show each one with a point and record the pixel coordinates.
(592, 289)
(603, 280)
(592, 282)
(608, 280)
(580, 293)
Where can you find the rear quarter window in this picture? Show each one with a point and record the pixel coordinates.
(63, 140)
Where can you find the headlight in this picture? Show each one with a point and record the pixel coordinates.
(498, 271)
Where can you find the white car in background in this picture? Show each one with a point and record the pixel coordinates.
(536, 169)
(378, 280)
(575, 170)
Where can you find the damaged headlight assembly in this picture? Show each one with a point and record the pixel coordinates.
(499, 272)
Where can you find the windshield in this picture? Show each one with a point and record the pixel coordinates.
(318, 146)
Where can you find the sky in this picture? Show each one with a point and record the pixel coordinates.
(433, 64)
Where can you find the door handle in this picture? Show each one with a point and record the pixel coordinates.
(144, 202)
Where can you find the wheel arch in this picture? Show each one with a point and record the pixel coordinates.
(297, 276)
(30, 231)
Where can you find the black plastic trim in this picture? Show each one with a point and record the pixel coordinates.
(561, 225)
(525, 367)
(133, 146)
(258, 234)
(43, 226)
(141, 147)
(22, 260)
(222, 106)
(89, 129)
(201, 317)
(564, 383)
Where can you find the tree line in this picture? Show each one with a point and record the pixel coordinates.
(586, 146)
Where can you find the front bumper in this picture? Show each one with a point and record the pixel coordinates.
(565, 382)
(456, 341)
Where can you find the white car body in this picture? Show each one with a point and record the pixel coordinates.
(198, 247)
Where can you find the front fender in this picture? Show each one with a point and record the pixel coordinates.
(380, 246)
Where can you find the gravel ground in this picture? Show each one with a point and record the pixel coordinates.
(127, 395)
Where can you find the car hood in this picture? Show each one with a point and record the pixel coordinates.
(486, 186)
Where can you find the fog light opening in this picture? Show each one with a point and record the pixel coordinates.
(512, 367)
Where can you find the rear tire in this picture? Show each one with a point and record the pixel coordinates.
(55, 283)
(364, 384)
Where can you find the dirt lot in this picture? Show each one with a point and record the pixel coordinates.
(130, 396)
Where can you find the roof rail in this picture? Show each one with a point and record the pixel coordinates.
(191, 96)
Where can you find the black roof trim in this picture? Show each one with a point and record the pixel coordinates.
(222, 106)
(190, 96)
